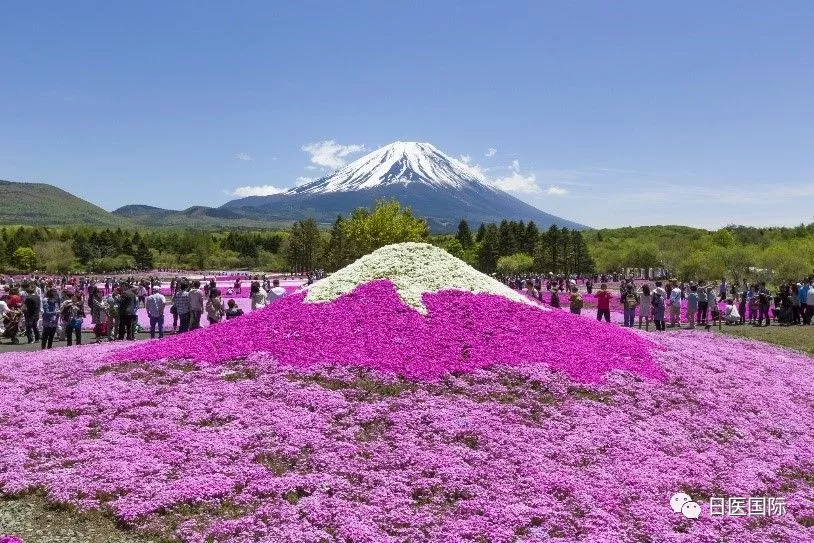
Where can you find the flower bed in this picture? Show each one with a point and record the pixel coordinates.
(362, 418)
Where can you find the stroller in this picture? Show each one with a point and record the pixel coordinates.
(11, 325)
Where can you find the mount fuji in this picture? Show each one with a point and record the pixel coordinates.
(434, 185)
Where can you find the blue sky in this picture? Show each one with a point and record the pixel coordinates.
(607, 113)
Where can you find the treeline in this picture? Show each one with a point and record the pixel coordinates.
(65, 250)
(736, 252)
(508, 247)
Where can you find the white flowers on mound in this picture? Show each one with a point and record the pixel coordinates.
(414, 268)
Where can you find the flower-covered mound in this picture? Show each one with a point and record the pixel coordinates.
(372, 328)
(258, 451)
(415, 269)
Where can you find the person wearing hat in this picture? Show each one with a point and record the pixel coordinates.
(155, 303)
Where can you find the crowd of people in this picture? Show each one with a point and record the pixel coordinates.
(789, 304)
(47, 309)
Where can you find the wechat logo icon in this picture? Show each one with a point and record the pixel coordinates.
(682, 503)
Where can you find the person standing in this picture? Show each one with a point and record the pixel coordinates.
(657, 301)
(804, 309)
(675, 306)
(196, 305)
(112, 302)
(703, 305)
(575, 301)
(644, 306)
(214, 307)
(155, 303)
(630, 301)
(98, 313)
(764, 301)
(809, 303)
(50, 319)
(692, 305)
(73, 315)
(603, 299)
(127, 303)
(31, 312)
(180, 301)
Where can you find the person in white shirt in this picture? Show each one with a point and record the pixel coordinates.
(196, 305)
(731, 312)
(3, 310)
(258, 296)
(276, 291)
(155, 310)
(675, 305)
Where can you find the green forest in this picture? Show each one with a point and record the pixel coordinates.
(773, 254)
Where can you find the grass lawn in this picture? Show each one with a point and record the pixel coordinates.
(800, 338)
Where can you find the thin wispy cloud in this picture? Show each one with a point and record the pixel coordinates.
(556, 191)
(257, 190)
(330, 154)
(244, 157)
(466, 159)
(490, 152)
(302, 180)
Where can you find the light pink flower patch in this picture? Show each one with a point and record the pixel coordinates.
(372, 328)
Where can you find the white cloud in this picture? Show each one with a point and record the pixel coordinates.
(515, 166)
(310, 167)
(556, 191)
(465, 159)
(517, 182)
(490, 152)
(259, 190)
(244, 157)
(302, 180)
(331, 154)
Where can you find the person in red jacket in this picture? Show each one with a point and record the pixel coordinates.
(603, 298)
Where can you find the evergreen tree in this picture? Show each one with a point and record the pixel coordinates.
(464, 235)
(507, 244)
(481, 233)
(531, 238)
(552, 243)
(337, 252)
(143, 256)
(488, 255)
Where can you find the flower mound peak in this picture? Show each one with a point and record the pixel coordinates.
(414, 269)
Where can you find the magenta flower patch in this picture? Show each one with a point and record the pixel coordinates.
(372, 328)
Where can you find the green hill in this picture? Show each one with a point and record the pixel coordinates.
(193, 217)
(46, 205)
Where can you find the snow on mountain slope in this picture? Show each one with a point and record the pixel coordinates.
(401, 162)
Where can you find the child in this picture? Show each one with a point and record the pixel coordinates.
(233, 310)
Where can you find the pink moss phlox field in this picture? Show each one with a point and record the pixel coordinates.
(10, 539)
(259, 451)
(372, 328)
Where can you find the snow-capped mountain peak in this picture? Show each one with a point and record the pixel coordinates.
(401, 162)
